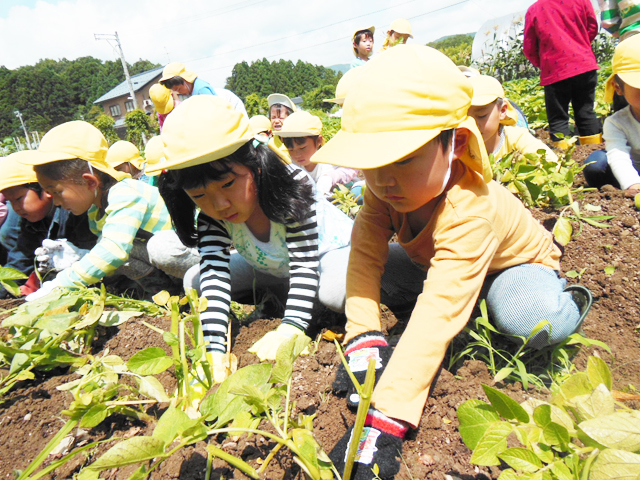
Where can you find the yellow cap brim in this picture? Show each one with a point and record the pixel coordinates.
(512, 115)
(609, 90)
(35, 157)
(339, 101)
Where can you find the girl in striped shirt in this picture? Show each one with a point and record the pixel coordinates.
(284, 235)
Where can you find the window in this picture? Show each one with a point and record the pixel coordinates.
(115, 110)
(128, 105)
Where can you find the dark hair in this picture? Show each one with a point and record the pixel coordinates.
(35, 186)
(280, 106)
(72, 171)
(289, 141)
(280, 195)
(173, 82)
(357, 38)
(444, 137)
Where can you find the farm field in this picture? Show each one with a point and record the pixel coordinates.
(30, 413)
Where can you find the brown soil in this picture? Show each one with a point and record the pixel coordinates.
(30, 414)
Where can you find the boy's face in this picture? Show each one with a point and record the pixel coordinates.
(413, 181)
(488, 118)
(75, 197)
(630, 94)
(365, 46)
(27, 203)
(301, 149)
(277, 114)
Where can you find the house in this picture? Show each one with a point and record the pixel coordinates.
(117, 102)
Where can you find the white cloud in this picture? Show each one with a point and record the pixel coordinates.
(211, 37)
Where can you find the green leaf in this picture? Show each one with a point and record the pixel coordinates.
(113, 318)
(598, 372)
(620, 430)
(284, 362)
(150, 361)
(492, 444)
(307, 446)
(58, 323)
(152, 388)
(19, 361)
(609, 270)
(521, 459)
(171, 424)
(475, 418)
(561, 471)
(503, 373)
(599, 403)
(252, 395)
(615, 465)
(562, 231)
(91, 317)
(509, 474)
(86, 474)
(130, 451)
(171, 339)
(94, 416)
(553, 433)
(505, 405)
(577, 384)
(8, 273)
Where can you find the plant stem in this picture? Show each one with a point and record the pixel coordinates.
(346, 367)
(267, 460)
(241, 465)
(363, 408)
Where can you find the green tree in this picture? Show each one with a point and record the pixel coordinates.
(456, 47)
(139, 126)
(315, 99)
(105, 124)
(256, 105)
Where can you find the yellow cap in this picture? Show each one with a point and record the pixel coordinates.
(411, 94)
(487, 89)
(347, 81)
(123, 152)
(71, 140)
(625, 64)
(468, 71)
(259, 124)
(177, 69)
(154, 155)
(15, 173)
(202, 129)
(355, 32)
(162, 99)
(301, 124)
(402, 26)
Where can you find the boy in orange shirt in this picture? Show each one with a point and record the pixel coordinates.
(465, 237)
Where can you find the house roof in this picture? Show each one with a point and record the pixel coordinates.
(138, 81)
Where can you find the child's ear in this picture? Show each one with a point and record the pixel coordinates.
(462, 140)
(319, 141)
(503, 110)
(618, 88)
(92, 181)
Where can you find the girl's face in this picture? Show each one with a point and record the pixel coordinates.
(365, 46)
(301, 149)
(233, 198)
(27, 203)
(72, 196)
(277, 114)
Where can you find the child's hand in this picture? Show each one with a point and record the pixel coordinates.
(380, 444)
(45, 289)
(358, 352)
(267, 347)
(57, 255)
(633, 189)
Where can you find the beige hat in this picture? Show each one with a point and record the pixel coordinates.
(371, 29)
(177, 69)
(15, 173)
(162, 98)
(154, 155)
(123, 152)
(278, 98)
(487, 89)
(71, 140)
(347, 81)
(202, 129)
(412, 93)
(300, 124)
(259, 124)
(401, 26)
(625, 64)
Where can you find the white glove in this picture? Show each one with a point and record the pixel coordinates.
(267, 347)
(57, 255)
(45, 289)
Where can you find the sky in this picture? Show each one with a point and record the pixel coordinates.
(211, 37)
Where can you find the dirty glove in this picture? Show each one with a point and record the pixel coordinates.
(57, 255)
(358, 352)
(380, 444)
(267, 347)
(45, 289)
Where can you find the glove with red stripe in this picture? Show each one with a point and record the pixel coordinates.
(358, 352)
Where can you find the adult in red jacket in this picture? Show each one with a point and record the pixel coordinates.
(557, 40)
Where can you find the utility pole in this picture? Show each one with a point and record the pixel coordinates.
(26, 135)
(108, 37)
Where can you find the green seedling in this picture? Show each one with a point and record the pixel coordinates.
(8, 276)
(563, 230)
(345, 201)
(610, 270)
(636, 200)
(575, 274)
(582, 433)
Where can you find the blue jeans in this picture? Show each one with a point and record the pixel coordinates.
(597, 171)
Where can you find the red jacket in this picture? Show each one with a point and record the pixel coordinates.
(557, 38)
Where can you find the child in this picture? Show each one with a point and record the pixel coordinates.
(496, 120)
(620, 163)
(126, 214)
(163, 100)
(153, 156)
(301, 133)
(362, 42)
(178, 79)
(429, 182)
(265, 209)
(125, 157)
(261, 125)
(33, 218)
(398, 34)
(280, 107)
